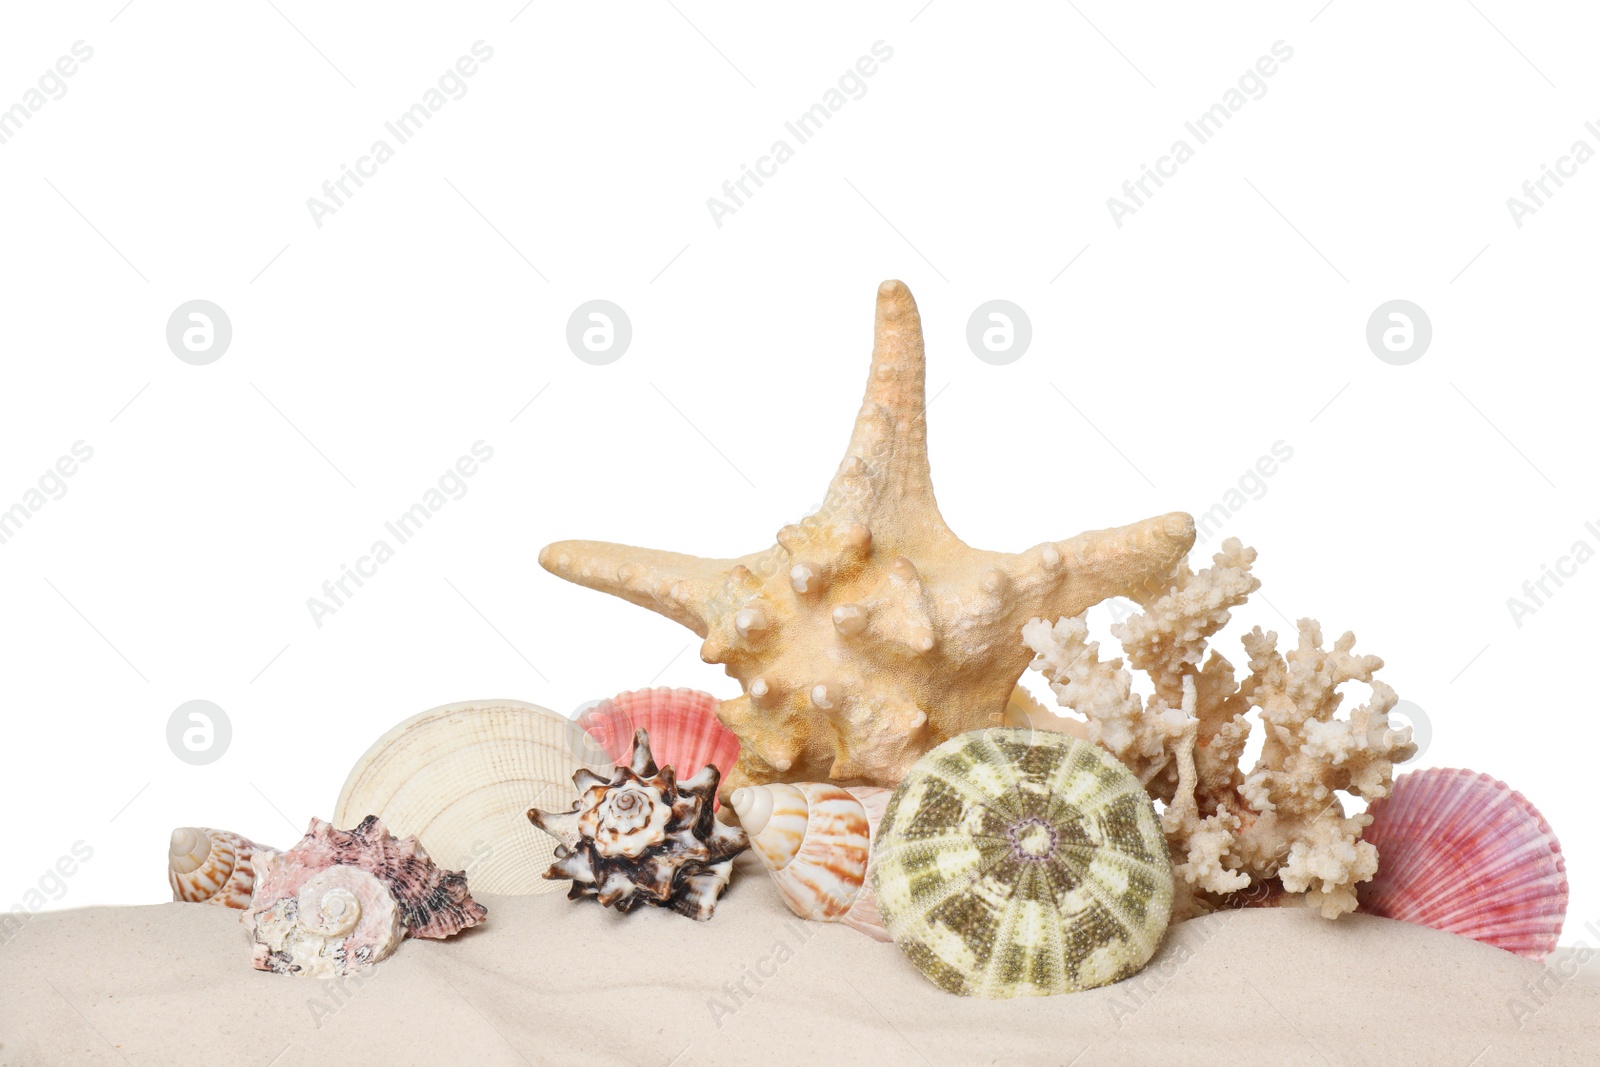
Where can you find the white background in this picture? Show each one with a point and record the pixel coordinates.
(368, 354)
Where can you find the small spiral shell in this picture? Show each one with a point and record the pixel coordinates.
(207, 866)
(816, 840)
(335, 912)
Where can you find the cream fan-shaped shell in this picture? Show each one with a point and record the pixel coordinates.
(462, 778)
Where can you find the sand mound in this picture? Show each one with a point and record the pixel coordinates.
(548, 981)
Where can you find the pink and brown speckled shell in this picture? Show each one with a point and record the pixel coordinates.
(431, 902)
(1462, 852)
(340, 920)
(816, 840)
(206, 866)
(684, 730)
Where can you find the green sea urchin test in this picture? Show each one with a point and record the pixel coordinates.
(1022, 863)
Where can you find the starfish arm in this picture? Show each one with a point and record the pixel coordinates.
(1060, 579)
(885, 469)
(679, 586)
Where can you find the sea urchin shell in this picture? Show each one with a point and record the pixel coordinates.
(1022, 863)
(643, 836)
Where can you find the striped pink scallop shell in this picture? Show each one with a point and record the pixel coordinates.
(1462, 852)
(685, 733)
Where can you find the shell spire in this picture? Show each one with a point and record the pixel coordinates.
(870, 633)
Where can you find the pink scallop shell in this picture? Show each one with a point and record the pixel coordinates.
(1462, 852)
(685, 733)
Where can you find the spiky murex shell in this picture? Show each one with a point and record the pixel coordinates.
(643, 836)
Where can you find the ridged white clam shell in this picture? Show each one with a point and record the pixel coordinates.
(816, 839)
(1463, 852)
(462, 778)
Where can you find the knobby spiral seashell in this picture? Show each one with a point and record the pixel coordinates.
(285, 917)
(209, 866)
(816, 840)
(342, 919)
(643, 836)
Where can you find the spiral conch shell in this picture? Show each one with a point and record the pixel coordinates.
(643, 836)
(341, 900)
(341, 920)
(207, 866)
(816, 840)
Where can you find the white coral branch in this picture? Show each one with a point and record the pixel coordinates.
(1281, 823)
(1101, 691)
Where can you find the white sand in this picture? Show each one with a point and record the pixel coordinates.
(548, 981)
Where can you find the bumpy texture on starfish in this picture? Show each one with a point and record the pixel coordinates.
(870, 633)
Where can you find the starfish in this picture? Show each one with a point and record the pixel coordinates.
(871, 633)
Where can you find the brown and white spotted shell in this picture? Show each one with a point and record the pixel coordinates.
(816, 840)
(206, 866)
